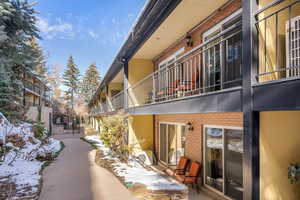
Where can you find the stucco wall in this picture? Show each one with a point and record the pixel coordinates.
(32, 114)
(268, 39)
(279, 146)
(138, 69)
(140, 129)
(114, 86)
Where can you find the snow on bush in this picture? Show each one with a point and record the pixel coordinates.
(133, 172)
(21, 164)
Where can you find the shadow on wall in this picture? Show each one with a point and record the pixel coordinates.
(279, 147)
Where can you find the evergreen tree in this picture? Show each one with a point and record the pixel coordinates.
(90, 82)
(40, 65)
(17, 28)
(71, 81)
(8, 104)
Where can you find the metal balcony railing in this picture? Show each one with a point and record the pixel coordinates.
(32, 87)
(114, 104)
(278, 28)
(102, 108)
(212, 66)
(117, 101)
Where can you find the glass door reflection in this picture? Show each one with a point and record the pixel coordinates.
(234, 163)
(214, 158)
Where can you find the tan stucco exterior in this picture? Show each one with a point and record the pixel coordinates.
(268, 38)
(137, 70)
(114, 86)
(32, 114)
(140, 132)
(279, 147)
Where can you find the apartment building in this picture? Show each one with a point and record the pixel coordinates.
(36, 98)
(217, 82)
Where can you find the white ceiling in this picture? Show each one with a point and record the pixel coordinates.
(186, 16)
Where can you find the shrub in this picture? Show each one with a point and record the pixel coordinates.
(294, 172)
(39, 131)
(113, 134)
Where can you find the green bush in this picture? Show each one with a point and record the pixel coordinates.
(294, 172)
(39, 131)
(114, 128)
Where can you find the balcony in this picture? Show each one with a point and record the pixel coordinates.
(31, 87)
(117, 102)
(278, 77)
(100, 109)
(278, 28)
(211, 67)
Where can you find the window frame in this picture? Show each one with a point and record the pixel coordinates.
(223, 155)
(167, 139)
(219, 27)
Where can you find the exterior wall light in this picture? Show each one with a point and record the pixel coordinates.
(189, 40)
(190, 126)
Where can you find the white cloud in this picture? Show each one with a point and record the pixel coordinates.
(52, 30)
(93, 34)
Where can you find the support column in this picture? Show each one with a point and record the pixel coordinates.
(125, 66)
(251, 118)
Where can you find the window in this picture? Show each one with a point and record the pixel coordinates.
(171, 143)
(166, 71)
(223, 160)
(222, 56)
(171, 58)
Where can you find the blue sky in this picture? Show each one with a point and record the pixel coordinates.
(90, 31)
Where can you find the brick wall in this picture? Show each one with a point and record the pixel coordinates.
(193, 148)
(197, 33)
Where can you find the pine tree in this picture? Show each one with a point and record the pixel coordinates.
(90, 82)
(17, 28)
(8, 104)
(71, 81)
(40, 65)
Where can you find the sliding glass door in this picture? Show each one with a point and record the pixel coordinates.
(223, 160)
(162, 141)
(171, 143)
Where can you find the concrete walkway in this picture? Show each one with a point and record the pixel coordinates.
(75, 175)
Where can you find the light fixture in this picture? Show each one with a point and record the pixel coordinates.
(190, 126)
(123, 60)
(189, 40)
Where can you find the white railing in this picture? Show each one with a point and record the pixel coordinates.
(278, 30)
(101, 108)
(117, 101)
(214, 65)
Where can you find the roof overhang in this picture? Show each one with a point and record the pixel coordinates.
(151, 17)
(187, 15)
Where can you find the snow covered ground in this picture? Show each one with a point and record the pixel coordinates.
(133, 172)
(19, 165)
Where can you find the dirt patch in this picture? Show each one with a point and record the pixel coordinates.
(8, 191)
(139, 190)
(16, 140)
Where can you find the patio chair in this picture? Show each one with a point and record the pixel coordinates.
(191, 177)
(167, 91)
(181, 167)
(192, 84)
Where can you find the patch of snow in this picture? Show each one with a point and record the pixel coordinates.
(133, 172)
(24, 174)
(20, 165)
